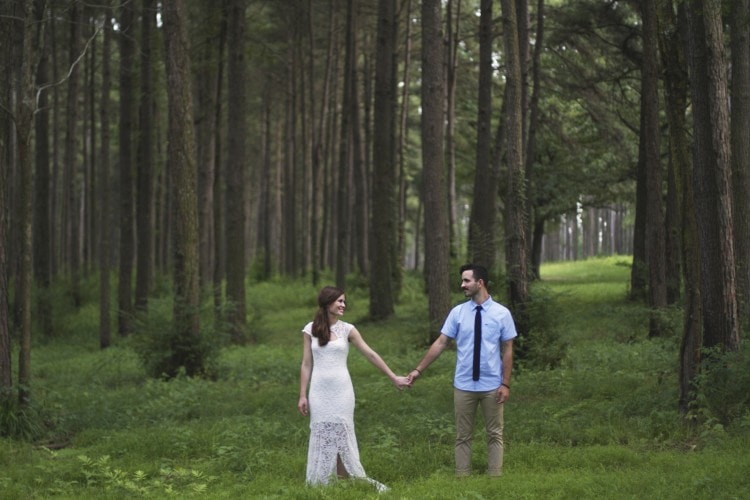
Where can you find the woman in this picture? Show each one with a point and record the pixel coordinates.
(333, 444)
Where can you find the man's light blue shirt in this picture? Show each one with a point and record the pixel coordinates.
(497, 327)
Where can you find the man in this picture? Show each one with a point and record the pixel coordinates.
(482, 376)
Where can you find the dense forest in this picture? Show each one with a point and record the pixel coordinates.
(224, 143)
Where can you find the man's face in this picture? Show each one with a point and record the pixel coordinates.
(469, 285)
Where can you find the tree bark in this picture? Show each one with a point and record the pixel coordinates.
(515, 203)
(236, 165)
(740, 133)
(650, 154)
(181, 154)
(711, 176)
(72, 186)
(482, 232)
(127, 84)
(104, 189)
(434, 189)
(383, 220)
(6, 120)
(25, 106)
(41, 237)
(145, 163)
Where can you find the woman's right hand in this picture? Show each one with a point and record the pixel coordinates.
(302, 406)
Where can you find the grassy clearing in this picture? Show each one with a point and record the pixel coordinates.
(601, 424)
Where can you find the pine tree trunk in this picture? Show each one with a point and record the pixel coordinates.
(740, 133)
(650, 155)
(145, 162)
(181, 157)
(127, 98)
(436, 230)
(482, 232)
(383, 221)
(104, 189)
(711, 176)
(515, 218)
(236, 165)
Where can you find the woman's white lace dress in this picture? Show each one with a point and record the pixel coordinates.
(331, 402)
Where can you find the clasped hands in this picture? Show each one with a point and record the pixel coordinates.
(406, 382)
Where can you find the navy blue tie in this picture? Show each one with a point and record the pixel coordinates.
(477, 341)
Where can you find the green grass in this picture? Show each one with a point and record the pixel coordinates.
(602, 424)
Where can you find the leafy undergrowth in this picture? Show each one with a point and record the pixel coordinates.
(602, 423)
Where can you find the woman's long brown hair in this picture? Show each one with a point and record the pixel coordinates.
(321, 327)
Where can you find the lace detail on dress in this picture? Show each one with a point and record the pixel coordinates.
(331, 401)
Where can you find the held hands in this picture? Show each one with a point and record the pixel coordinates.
(402, 382)
(413, 375)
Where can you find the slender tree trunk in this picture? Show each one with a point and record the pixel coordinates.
(219, 240)
(650, 156)
(236, 165)
(25, 106)
(104, 190)
(6, 119)
(740, 133)
(403, 131)
(515, 204)
(451, 56)
(436, 230)
(345, 154)
(145, 163)
(482, 233)
(127, 84)
(181, 156)
(72, 184)
(711, 176)
(383, 222)
(531, 154)
(42, 257)
(206, 104)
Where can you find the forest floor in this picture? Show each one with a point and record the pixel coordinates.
(594, 417)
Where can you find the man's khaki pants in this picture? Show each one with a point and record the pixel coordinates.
(465, 405)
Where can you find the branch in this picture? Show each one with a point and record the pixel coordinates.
(72, 67)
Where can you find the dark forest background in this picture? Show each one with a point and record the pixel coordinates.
(204, 146)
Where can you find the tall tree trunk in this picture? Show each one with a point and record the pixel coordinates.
(127, 97)
(42, 257)
(181, 154)
(515, 203)
(711, 175)
(403, 131)
(482, 233)
(7, 20)
(345, 154)
(25, 106)
(72, 185)
(104, 189)
(649, 155)
(451, 75)
(145, 162)
(219, 239)
(434, 188)
(206, 81)
(383, 220)
(740, 133)
(536, 219)
(236, 164)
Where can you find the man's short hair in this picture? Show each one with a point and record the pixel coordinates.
(480, 272)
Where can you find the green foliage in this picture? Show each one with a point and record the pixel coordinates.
(20, 422)
(544, 347)
(164, 351)
(723, 387)
(603, 423)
